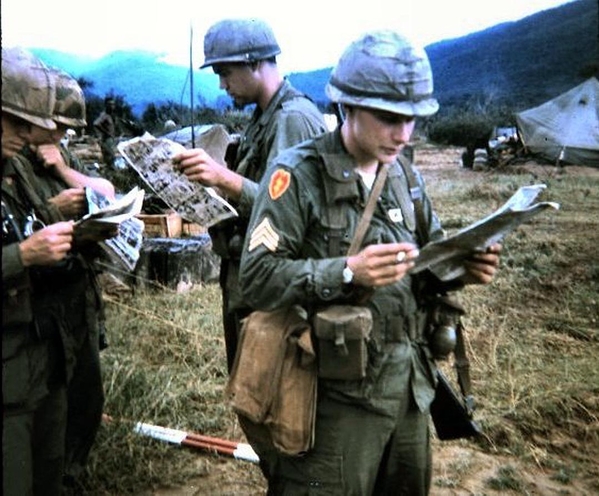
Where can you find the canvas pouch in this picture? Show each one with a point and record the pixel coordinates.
(273, 381)
(342, 332)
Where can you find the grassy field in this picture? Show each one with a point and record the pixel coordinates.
(532, 338)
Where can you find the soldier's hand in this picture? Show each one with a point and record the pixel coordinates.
(71, 202)
(48, 245)
(199, 166)
(382, 264)
(482, 267)
(50, 155)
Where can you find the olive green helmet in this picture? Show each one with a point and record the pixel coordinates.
(69, 108)
(239, 40)
(27, 88)
(384, 70)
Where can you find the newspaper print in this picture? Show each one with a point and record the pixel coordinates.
(123, 249)
(445, 258)
(151, 158)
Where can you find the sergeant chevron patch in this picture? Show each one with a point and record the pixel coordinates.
(264, 234)
(279, 182)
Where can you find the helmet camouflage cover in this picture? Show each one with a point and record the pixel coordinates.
(239, 40)
(69, 108)
(384, 70)
(27, 88)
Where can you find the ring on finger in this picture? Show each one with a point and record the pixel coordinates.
(401, 256)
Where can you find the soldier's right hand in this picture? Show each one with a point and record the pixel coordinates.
(382, 264)
(47, 246)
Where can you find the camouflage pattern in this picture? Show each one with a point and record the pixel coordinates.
(69, 108)
(385, 71)
(27, 88)
(239, 40)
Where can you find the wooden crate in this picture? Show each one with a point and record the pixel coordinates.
(190, 229)
(168, 225)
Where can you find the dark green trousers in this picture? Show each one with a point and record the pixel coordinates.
(34, 416)
(368, 441)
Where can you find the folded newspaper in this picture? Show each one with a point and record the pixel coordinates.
(151, 158)
(105, 214)
(445, 258)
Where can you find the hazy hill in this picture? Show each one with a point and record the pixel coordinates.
(525, 62)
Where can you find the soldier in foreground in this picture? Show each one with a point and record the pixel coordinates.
(372, 427)
(242, 52)
(60, 180)
(33, 367)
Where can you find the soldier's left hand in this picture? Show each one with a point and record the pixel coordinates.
(482, 267)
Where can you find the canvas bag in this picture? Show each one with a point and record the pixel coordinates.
(273, 380)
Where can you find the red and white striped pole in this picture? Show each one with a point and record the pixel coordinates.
(240, 451)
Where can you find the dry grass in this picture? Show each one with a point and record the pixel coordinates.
(532, 338)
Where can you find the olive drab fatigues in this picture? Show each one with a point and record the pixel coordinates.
(372, 435)
(44, 326)
(289, 119)
(85, 390)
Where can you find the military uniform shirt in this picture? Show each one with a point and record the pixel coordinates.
(286, 258)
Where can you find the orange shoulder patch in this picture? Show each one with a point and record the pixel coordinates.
(279, 182)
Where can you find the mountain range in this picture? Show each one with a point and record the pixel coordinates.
(520, 63)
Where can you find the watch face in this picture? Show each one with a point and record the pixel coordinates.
(348, 275)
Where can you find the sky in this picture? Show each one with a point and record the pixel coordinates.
(312, 33)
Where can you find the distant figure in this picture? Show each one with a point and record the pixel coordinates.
(106, 128)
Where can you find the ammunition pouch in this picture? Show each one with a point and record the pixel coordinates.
(342, 332)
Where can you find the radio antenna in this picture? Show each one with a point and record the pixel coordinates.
(193, 140)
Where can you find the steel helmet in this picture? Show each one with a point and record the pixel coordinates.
(69, 108)
(27, 88)
(239, 40)
(384, 70)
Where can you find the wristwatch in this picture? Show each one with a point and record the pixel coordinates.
(348, 275)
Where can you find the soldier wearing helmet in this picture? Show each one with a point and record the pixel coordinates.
(34, 240)
(62, 176)
(372, 422)
(242, 52)
(60, 180)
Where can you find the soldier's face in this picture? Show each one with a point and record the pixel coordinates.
(377, 136)
(41, 136)
(15, 134)
(239, 81)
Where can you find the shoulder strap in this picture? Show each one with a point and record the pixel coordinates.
(375, 192)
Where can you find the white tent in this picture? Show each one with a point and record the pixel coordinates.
(565, 128)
